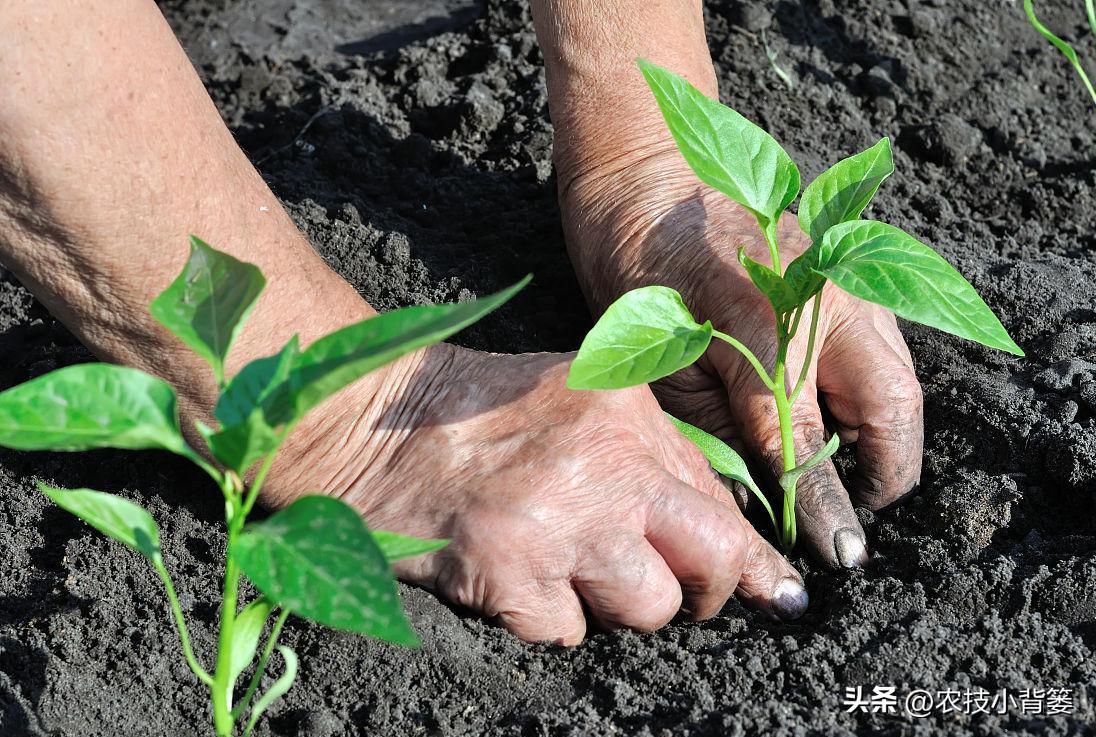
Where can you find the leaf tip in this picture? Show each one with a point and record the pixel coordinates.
(50, 491)
(406, 636)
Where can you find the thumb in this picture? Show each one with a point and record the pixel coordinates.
(825, 518)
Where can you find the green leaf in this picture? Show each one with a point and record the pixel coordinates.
(342, 357)
(277, 690)
(842, 192)
(781, 295)
(725, 150)
(91, 405)
(115, 517)
(245, 635)
(251, 389)
(1068, 51)
(397, 547)
(723, 459)
(239, 446)
(879, 263)
(208, 302)
(318, 559)
(801, 275)
(645, 335)
(257, 391)
(790, 479)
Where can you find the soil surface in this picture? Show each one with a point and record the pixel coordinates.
(411, 141)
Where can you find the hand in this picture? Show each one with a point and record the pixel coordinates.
(553, 499)
(649, 220)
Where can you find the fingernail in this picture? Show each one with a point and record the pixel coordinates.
(789, 599)
(851, 551)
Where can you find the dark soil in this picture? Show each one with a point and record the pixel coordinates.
(412, 142)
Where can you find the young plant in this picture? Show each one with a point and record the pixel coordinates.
(1068, 51)
(315, 558)
(649, 333)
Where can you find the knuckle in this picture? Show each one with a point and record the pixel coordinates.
(809, 433)
(768, 444)
(901, 392)
(464, 584)
(655, 607)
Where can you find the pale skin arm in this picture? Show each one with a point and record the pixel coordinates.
(111, 153)
(635, 215)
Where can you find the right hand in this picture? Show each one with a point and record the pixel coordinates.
(552, 498)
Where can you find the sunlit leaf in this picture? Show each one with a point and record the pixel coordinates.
(880, 263)
(338, 359)
(725, 150)
(782, 296)
(397, 547)
(317, 558)
(841, 193)
(208, 302)
(259, 390)
(724, 460)
(115, 517)
(276, 690)
(91, 405)
(645, 335)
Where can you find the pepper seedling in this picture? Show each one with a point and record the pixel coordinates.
(1062, 45)
(649, 333)
(316, 558)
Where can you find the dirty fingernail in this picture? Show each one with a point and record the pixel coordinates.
(789, 599)
(850, 548)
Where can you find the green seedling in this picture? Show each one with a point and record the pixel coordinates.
(315, 558)
(771, 55)
(649, 333)
(1067, 50)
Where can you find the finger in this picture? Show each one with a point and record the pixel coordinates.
(533, 608)
(626, 583)
(871, 390)
(825, 518)
(712, 550)
(887, 326)
(769, 582)
(553, 614)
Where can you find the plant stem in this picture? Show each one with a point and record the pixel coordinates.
(1090, 11)
(253, 490)
(203, 464)
(793, 327)
(257, 677)
(221, 691)
(787, 442)
(741, 347)
(238, 504)
(180, 623)
(810, 349)
(770, 238)
(1068, 51)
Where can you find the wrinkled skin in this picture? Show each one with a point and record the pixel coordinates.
(553, 499)
(646, 220)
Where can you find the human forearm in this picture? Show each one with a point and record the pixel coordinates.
(602, 111)
(620, 174)
(110, 154)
